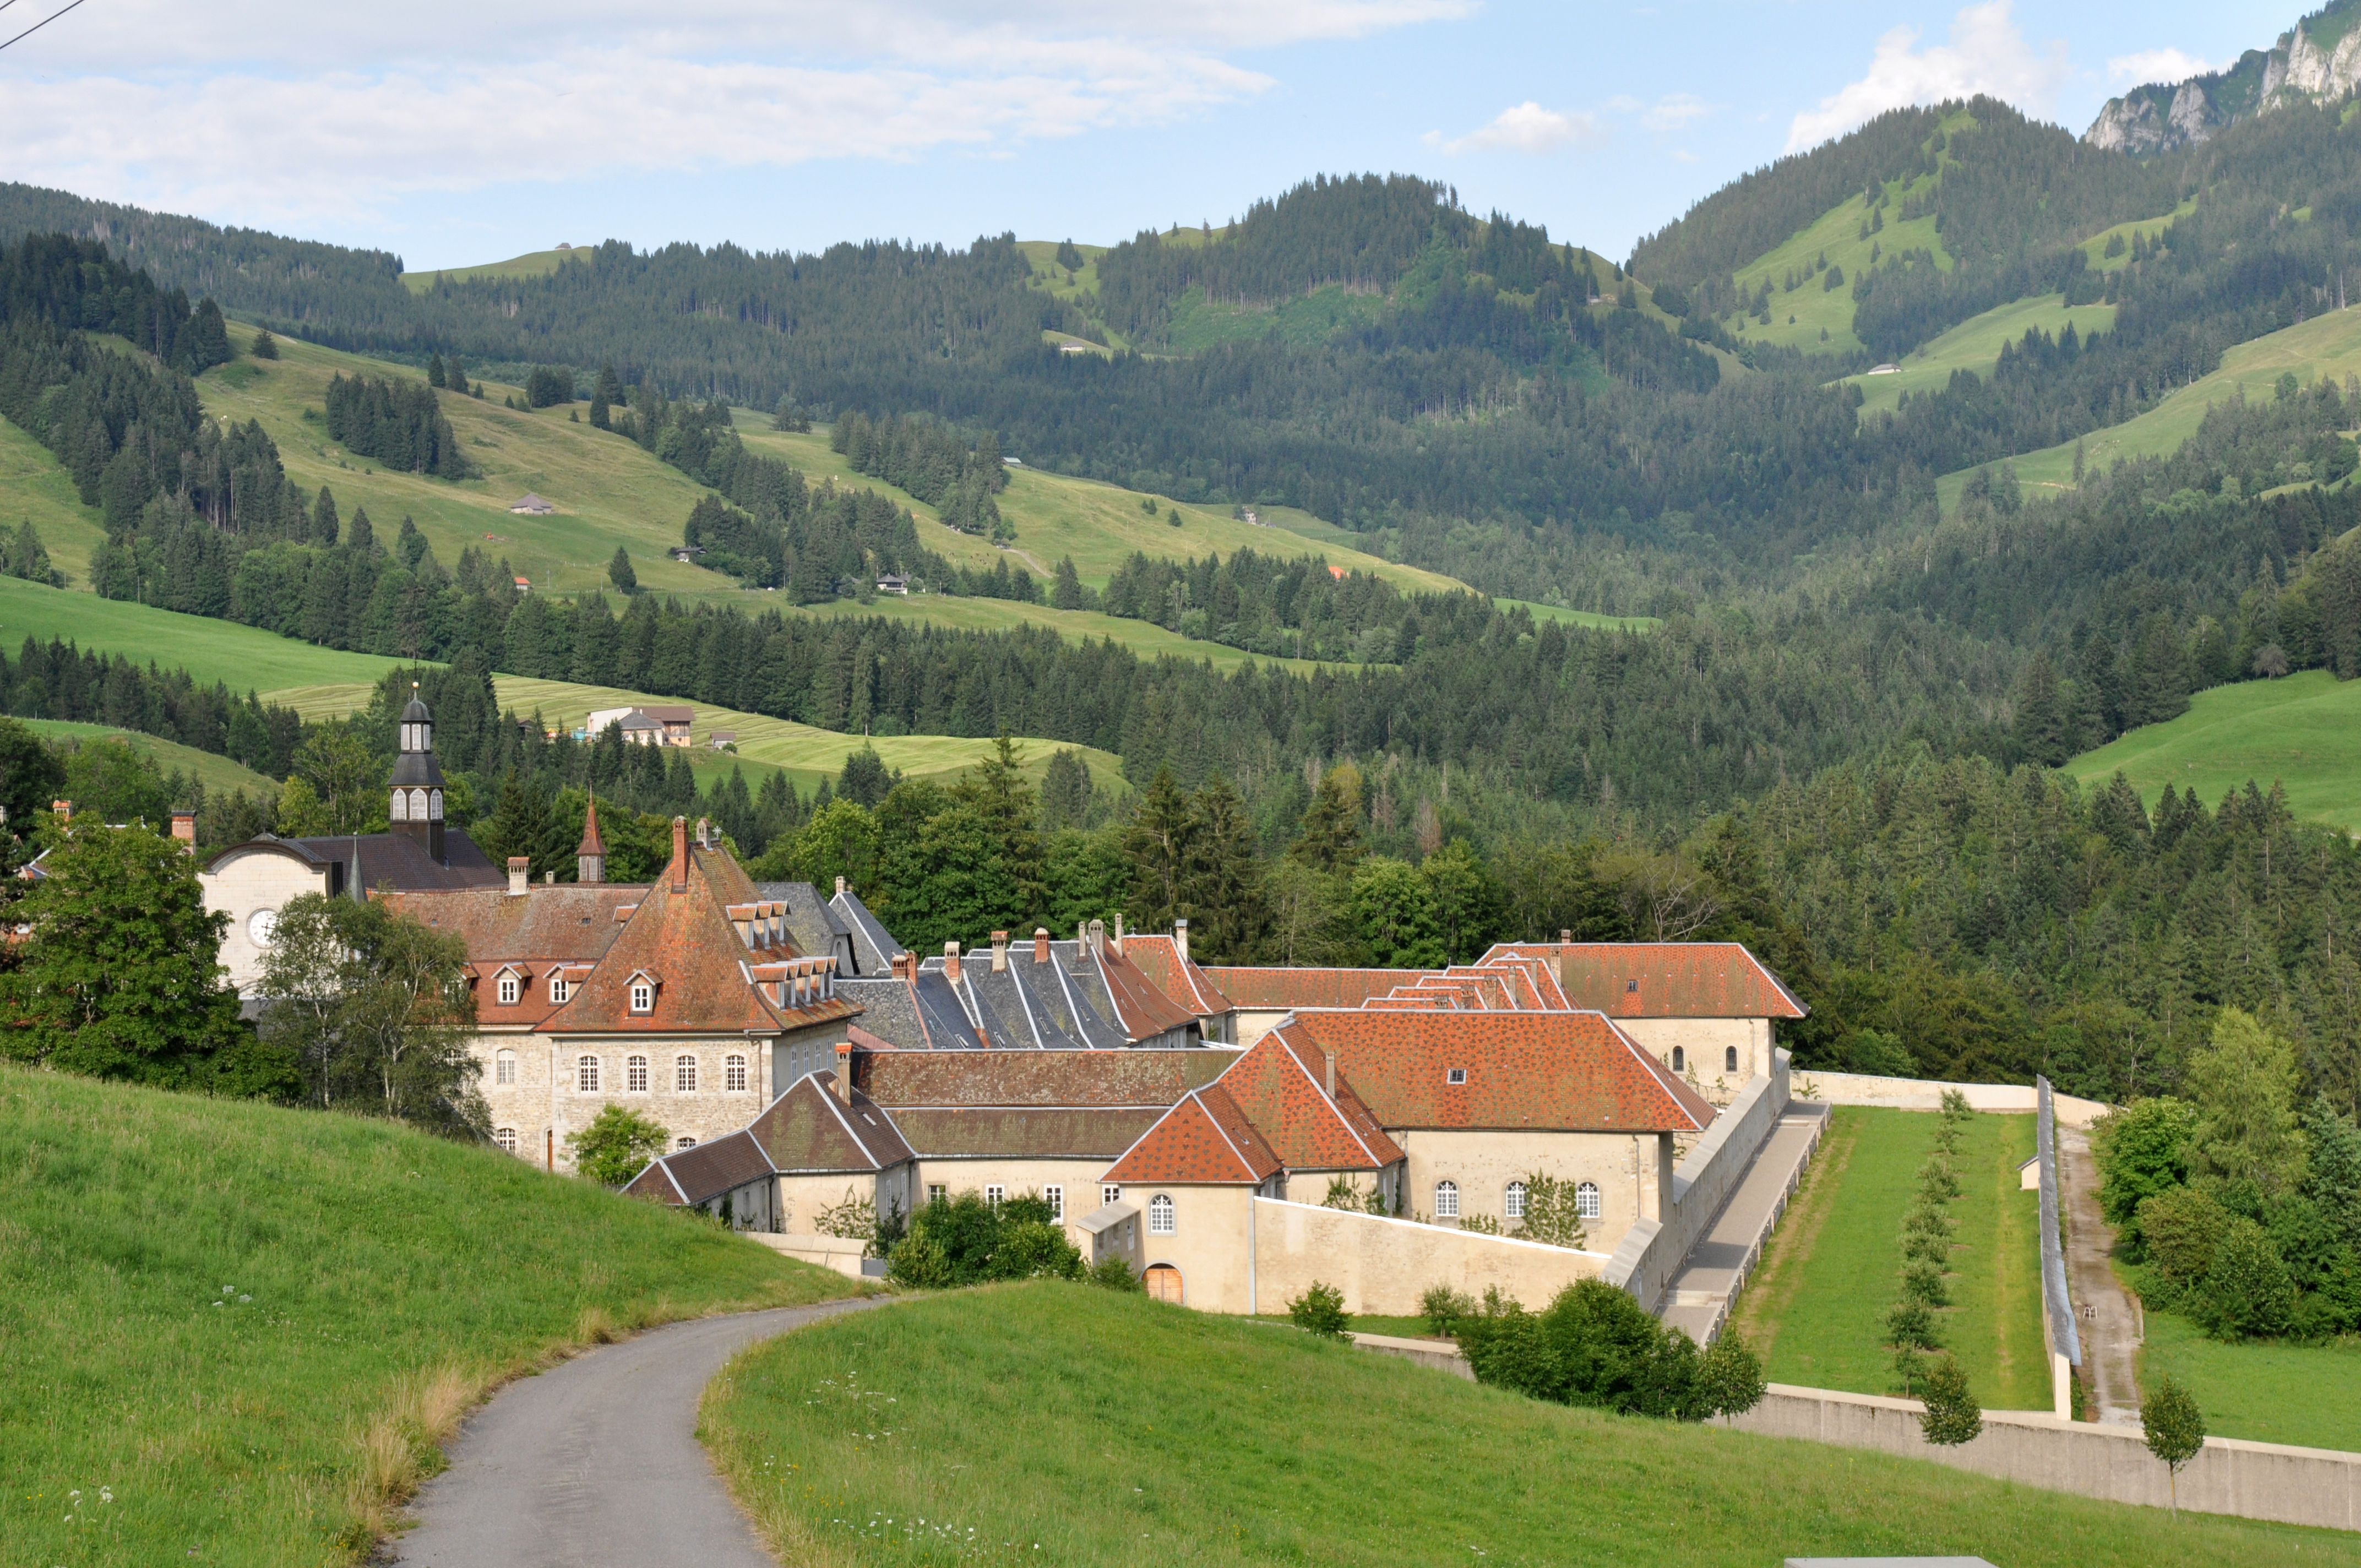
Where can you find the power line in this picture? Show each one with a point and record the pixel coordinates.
(37, 27)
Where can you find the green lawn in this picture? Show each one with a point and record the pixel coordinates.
(2305, 1394)
(1062, 1424)
(2303, 730)
(1975, 344)
(1815, 1308)
(247, 659)
(216, 774)
(372, 1282)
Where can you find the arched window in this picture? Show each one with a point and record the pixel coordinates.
(504, 1067)
(643, 997)
(1680, 1060)
(1446, 1200)
(585, 1075)
(684, 1143)
(435, 807)
(635, 1075)
(683, 1075)
(506, 1138)
(510, 989)
(1586, 1200)
(1159, 1215)
(733, 1075)
(558, 991)
(418, 805)
(400, 808)
(1729, 1058)
(1513, 1206)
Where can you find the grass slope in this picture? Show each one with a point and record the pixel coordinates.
(1144, 638)
(1059, 1423)
(2302, 731)
(218, 774)
(374, 1283)
(533, 264)
(247, 659)
(2325, 346)
(35, 489)
(1974, 345)
(1816, 1310)
(2306, 1395)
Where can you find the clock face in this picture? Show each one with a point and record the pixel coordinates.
(260, 925)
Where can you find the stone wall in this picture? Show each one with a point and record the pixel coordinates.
(1927, 1095)
(1383, 1264)
(1653, 1251)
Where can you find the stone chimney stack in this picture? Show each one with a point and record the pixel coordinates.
(1328, 1071)
(1118, 936)
(840, 887)
(678, 872)
(704, 833)
(1040, 944)
(905, 967)
(844, 1071)
(1565, 937)
(185, 831)
(950, 961)
(1000, 952)
(519, 875)
(1098, 935)
(1181, 937)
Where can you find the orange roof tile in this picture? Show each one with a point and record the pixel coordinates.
(1181, 978)
(1206, 1139)
(1275, 987)
(1281, 1085)
(1145, 1011)
(1663, 979)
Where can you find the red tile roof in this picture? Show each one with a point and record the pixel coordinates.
(1268, 988)
(1177, 976)
(1281, 1085)
(1663, 979)
(1207, 1139)
(1145, 1011)
(567, 925)
(1560, 1071)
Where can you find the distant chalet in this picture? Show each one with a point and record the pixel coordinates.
(532, 505)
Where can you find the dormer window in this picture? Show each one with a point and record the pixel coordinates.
(1455, 1075)
(558, 988)
(644, 996)
(510, 988)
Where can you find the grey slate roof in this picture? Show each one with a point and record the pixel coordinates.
(705, 1171)
(372, 861)
(874, 947)
(813, 926)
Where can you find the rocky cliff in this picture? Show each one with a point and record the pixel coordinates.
(2318, 60)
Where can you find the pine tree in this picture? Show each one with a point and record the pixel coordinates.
(620, 573)
(323, 518)
(604, 397)
(1221, 890)
(1331, 839)
(1160, 840)
(435, 370)
(264, 345)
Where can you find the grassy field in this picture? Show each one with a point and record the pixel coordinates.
(247, 659)
(218, 774)
(2095, 247)
(1816, 1308)
(2303, 730)
(34, 488)
(1974, 345)
(1581, 617)
(2325, 346)
(1143, 638)
(2306, 1395)
(1062, 1424)
(533, 264)
(235, 1332)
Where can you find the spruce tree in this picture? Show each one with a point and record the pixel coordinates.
(323, 518)
(435, 371)
(264, 345)
(604, 396)
(1331, 839)
(1159, 839)
(620, 573)
(1222, 889)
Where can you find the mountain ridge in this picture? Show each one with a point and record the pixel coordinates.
(2318, 60)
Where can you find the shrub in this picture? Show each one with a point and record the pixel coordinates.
(919, 1263)
(1594, 1345)
(1034, 1249)
(1319, 1311)
(1443, 1308)
(1917, 1246)
(2246, 1292)
(2141, 1150)
(615, 1146)
(2180, 1228)
(1115, 1274)
(1953, 1414)
(1926, 1219)
(1924, 1282)
(1938, 1181)
(962, 1240)
(1729, 1378)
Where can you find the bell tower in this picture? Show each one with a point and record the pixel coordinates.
(414, 805)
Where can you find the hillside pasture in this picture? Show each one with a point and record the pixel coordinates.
(1975, 345)
(532, 264)
(244, 658)
(218, 774)
(2308, 1395)
(2302, 732)
(35, 489)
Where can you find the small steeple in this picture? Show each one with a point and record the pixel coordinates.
(590, 855)
(415, 806)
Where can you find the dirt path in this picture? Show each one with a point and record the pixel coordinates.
(2106, 1320)
(595, 1463)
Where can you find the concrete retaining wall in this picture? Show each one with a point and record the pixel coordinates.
(1927, 1095)
(1440, 1354)
(1653, 1251)
(2251, 1480)
(1383, 1265)
(841, 1253)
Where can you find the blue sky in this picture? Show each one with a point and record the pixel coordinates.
(459, 133)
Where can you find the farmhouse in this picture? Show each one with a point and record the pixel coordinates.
(530, 505)
(652, 724)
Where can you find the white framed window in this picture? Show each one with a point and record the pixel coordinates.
(1729, 1058)
(994, 1194)
(1680, 1060)
(508, 989)
(400, 808)
(635, 1075)
(643, 997)
(1455, 1075)
(733, 1075)
(418, 805)
(1586, 1200)
(1160, 1215)
(936, 1193)
(683, 1075)
(1512, 1206)
(435, 807)
(1110, 1193)
(504, 1067)
(1055, 1198)
(680, 1144)
(506, 1138)
(557, 989)
(585, 1075)
(1446, 1200)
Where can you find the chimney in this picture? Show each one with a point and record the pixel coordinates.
(844, 1071)
(904, 966)
(1118, 936)
(63, 809)
(1040, 944)
(1565, 937)
(950, 961)
(185, 831)
(679, 869)
(1097, 936)
(840, 887)
(999, 952)
(519, 875)
(1181, 938)
(704, 833)
(1328, 1071)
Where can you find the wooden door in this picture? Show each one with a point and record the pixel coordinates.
(1163, 1282)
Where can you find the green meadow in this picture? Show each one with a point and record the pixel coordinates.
(1974, 345)
(2306, 1395)
(236, 1333)
(2303, 732)
(244, 657)
(35, 488)
(218, 774)
(1814, 1310)
(533, 264)
(1064, 1424)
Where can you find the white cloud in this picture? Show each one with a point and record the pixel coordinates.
(1527, 127)
(1986, 54)
(2159, 65)
(303, 108)
(1675, 110)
